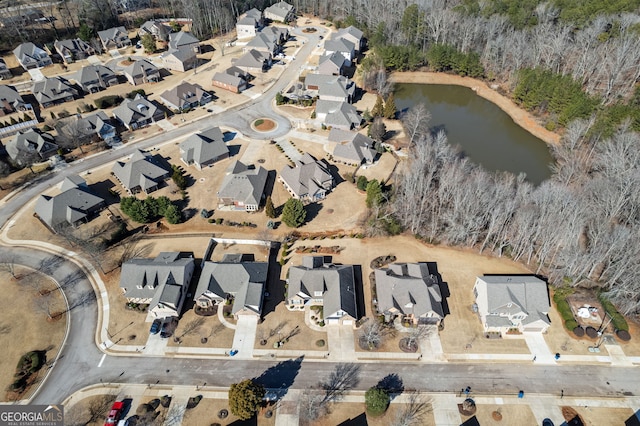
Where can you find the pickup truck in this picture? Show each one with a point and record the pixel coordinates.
(114, 414)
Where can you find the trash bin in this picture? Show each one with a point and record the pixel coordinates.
(557, 356)
(521, 394)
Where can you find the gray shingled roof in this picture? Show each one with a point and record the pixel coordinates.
(246, 20)
(331, 63)
(228, 79)
(10, 95)
(244, 184)
(28, 52)
(141, 67)
(253, 13)
(156, 29)
(339, 45)
(340, 114)
(409, 288)
(263, 41)
(253, 59)
(168, 268)
(339, 86)
(73, 45)
(336, 283)
(31, 140)
(52, 89)
(94, 72)
(74, 203)
(352, 146)
(524, 292)
(111, 33)
(244, 280)
(351, 34)
(183, 54)
(141, 170)
(134, 110)
(185, 93)
(180, 39)
(308, 176)
(280, 9)
(204, 146)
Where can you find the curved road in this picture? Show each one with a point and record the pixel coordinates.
(77, 365)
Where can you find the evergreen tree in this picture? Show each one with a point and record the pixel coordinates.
(377, 129)
(376, 401)
(378, 108)
(293, 213)
(149, 43)
(245, 398)
(390, 107)
(85, 32)
(374, 193)
(269, 209)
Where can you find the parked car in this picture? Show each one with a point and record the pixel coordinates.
(114, 414)
(547, 422)
(155, 327)
(167, 329)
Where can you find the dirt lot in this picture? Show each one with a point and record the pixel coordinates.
(519, 414)
(206, 413)
(594, 416)
(20, 332)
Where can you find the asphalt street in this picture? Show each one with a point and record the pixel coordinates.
(81, 362)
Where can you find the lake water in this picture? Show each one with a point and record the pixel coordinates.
(486, 134)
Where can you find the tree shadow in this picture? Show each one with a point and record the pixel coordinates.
(472, 421)
(344, 377)
(313, 209)
(392, 383)
(274, 286)
(279, 378)
(359, 290)
(361, 420)
(444, 287)
(253, 421)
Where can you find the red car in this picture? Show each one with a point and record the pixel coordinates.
(114, 414)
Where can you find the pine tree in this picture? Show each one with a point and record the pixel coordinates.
(269, 209)
(293, 213)
(245, 398)
(378, 108)
(390, 107)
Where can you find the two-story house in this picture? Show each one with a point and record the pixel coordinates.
(309, 180)
(31, 56)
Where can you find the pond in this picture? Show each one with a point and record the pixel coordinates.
(485, 133)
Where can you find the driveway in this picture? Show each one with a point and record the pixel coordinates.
(245, 336)
(341, 342)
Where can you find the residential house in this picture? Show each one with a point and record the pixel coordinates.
(243, 187)
(231, 82)
(237, 278)
(114, 38)
(254, 61)
(185, 96)
(352, 34)
(184, 40)
(512, 302)
(332, 64)
(97, 124)
(142, 71)
(162, 282)
(142, 173)
(73, 50)
(31, 143)
(342, 46)
(181, 60)
(31, 56)
(309, 180)
(11, 101)
(137, 113)
(263, 43)
(279, 34)
(204, 148)
(352, 147)
(53, 91)
(75, 204)
(249, 23)
(331, 286)
(330, 87)
(281, 12)
(5, 73)
(94, 78)
(341, 115)
(410, 292)
(157, 29)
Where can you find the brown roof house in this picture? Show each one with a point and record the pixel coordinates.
(409, 291)
(114, 38)
(230, 80)
(53, 91)
(243, 187)
(512, 302)
(162, 282)
(352, 147)
(309, 180)
(75, 204)
(73, 50)
(34, 143)
(142, 173)
(326, 284)
(185, 96)
(142, 71)
(137, 113)
(94, 78)
(237, 278)
(204, 148)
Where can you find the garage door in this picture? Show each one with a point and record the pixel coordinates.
(333, 321)
(347, 322)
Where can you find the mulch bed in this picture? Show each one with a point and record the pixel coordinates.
(265, 124)
(405, 347)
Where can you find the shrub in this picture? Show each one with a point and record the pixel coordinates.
(617, 319)
(108, 101)
(376, 401)
(132, 94)
(560, 298)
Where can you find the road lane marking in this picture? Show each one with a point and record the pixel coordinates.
(102, 360)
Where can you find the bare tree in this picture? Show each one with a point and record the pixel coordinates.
(174, 415)
(311, 406)
(372, 334)
(418, 333)
(98, 406)
(414, 411)
(192, 326)
(416, 122)
(9, 266)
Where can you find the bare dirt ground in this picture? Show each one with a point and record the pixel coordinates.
(516, 414)
(217, 334)
(21, 332)
(206, 414)
(595, 416)
(354, 413)
(520, 116)
(286, 321)
(92, 410)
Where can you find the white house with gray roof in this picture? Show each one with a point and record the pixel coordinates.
(281, 12)
(243, 187)
(142, 71)
(331, 64)
(31, 56)
(330, 87)
(94, 78)
(506, 302)
(184, 40)
(73, 49)
(11, 101)
(53, 91)
(137, 113)
(237, 278)
(162, 282)
(73, 205)
(204, 148)
(32, 142)
(249, 23)
(352, 147)
(309, 180)
(409, 291)
(142, 173)
(114, 38)
(337, 114)
(341, 46)
(326, 284)
(352, 34)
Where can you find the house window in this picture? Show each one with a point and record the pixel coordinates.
(475, 292)
(139, 287)
(317, 294)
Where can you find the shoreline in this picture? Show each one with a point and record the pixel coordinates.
(521, 117)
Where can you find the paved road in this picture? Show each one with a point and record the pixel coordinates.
(81, 362)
